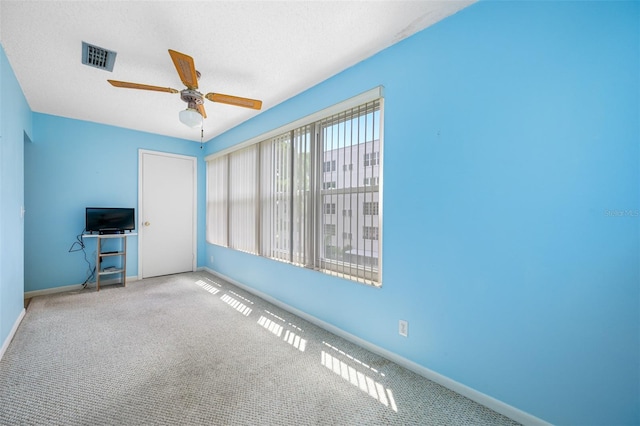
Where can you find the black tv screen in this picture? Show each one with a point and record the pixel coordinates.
(105, 220)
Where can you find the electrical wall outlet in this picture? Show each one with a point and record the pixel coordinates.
(403, 328)
(211, 259)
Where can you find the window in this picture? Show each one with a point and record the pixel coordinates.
(371, 158)
(329, 185)
(370, 208)
(288, 196)
(370, 181)
(330, 166)
(370, 232)
(330, 208)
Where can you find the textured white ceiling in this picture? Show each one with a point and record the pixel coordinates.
(268, 50)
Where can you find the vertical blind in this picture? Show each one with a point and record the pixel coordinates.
(217, 223)
(275, 197)
(243, 199)
(309, 196)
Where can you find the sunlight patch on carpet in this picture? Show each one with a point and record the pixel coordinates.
(356, 376)
(273, 325)
(358, 379)
(208, 287)
(236, 304)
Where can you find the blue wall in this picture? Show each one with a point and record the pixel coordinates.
(74, 164)
(511, 210)
(15, 122)
(511, 207)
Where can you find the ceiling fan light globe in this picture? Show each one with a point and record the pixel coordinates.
(190, 117)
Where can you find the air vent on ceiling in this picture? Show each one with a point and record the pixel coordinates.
(98, 57)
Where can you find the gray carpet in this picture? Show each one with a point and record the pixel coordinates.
(191, 349)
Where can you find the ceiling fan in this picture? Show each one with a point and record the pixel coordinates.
(195, 113)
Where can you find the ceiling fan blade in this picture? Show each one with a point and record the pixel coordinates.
(202, 111)
(186, 69)
(128, 85)
(234, 100)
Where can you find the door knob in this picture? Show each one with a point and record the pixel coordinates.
(147, 223)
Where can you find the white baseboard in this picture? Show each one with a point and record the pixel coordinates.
(464, 390)
(12, 333)
(73, 287)
(53, 290)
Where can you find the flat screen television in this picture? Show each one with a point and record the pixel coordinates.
(110, 220)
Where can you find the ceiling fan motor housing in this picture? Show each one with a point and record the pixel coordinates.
(192, 98)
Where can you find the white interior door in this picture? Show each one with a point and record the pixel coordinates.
(167, 214)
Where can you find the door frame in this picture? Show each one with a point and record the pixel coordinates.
(194, 207)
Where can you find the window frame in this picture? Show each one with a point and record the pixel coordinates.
(315, 224)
